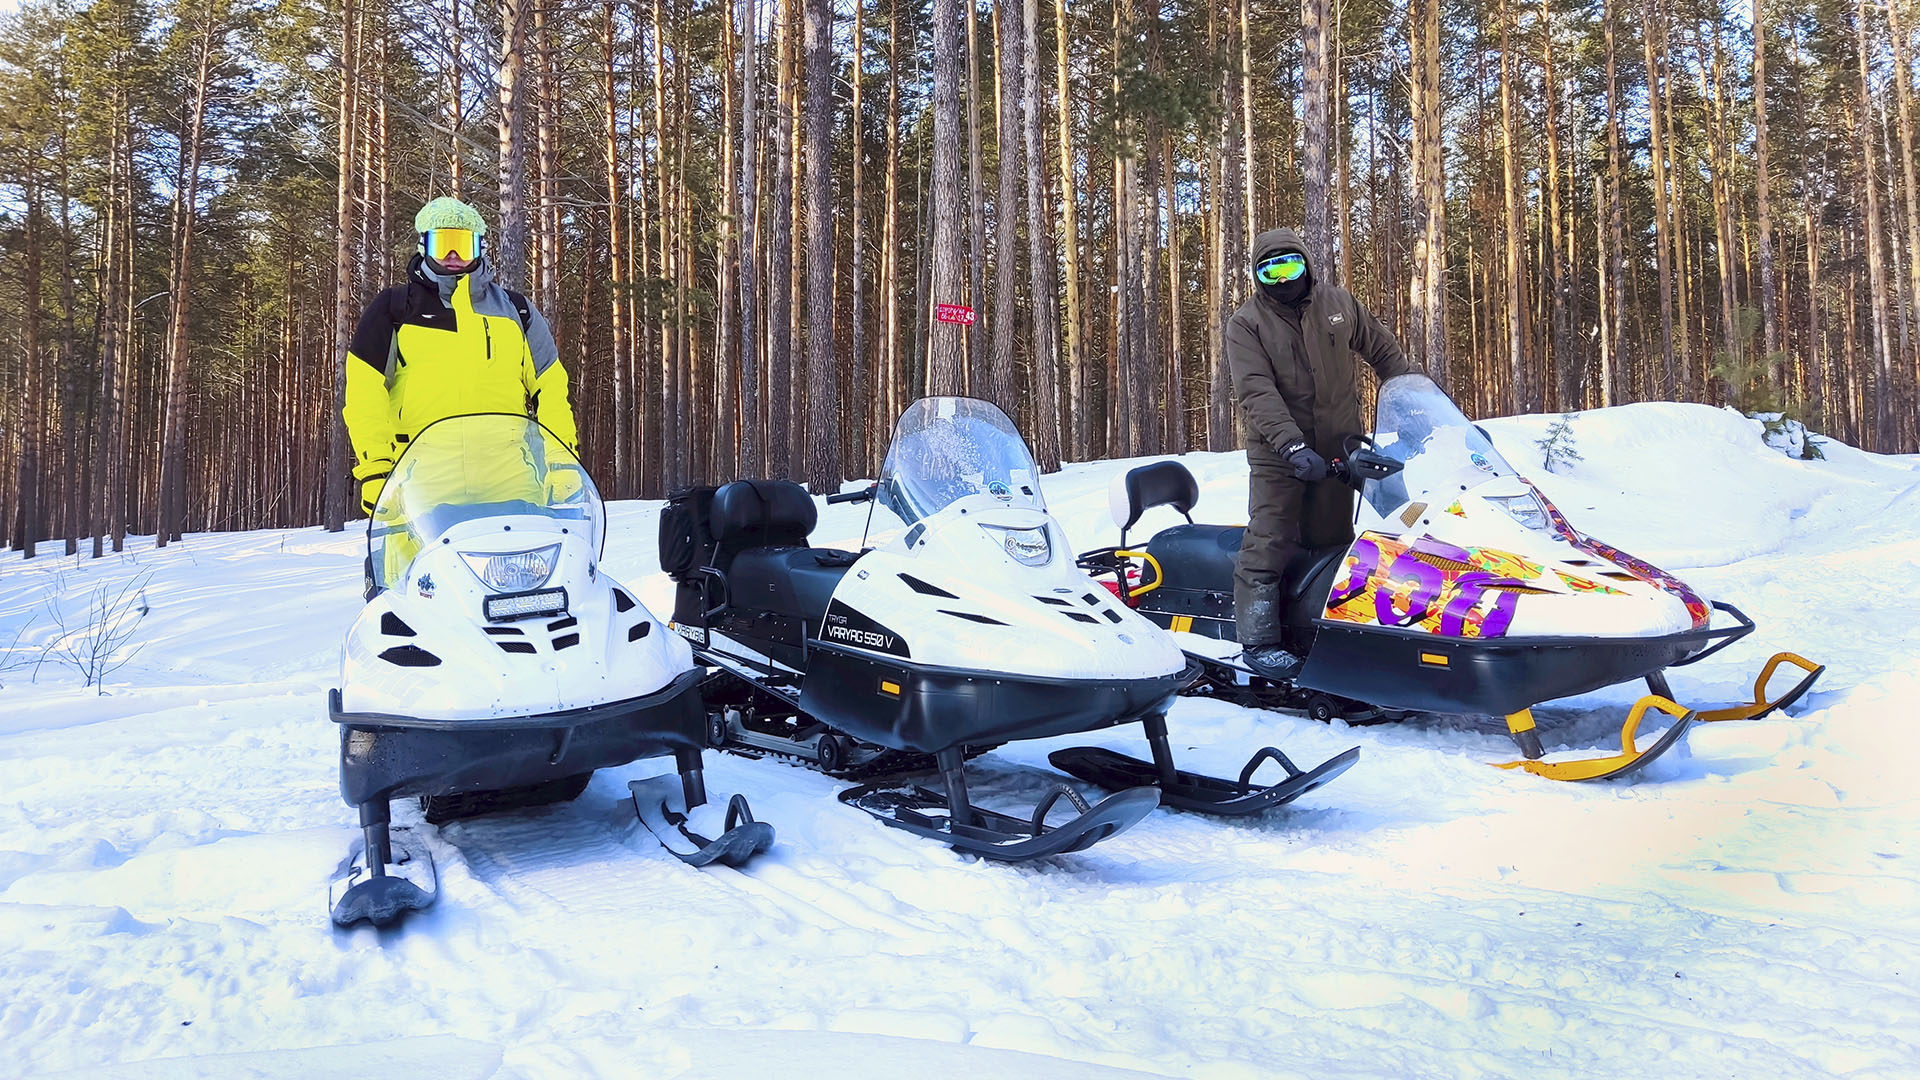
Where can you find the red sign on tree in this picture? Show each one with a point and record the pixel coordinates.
(954, 313)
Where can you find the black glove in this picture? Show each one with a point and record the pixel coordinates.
(1307, 465)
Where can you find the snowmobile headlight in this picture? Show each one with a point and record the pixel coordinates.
(515, 572)
(1525, 509)
(1028, 547)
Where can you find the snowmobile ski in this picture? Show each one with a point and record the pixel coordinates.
(382, 891)
(1001, 837)
(661, 804)
(1761, 706)
(1197, 792)
(1630, 759)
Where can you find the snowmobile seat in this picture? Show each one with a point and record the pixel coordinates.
(759, 513)
(794, 581)
(1197, 556)
(1201, 557)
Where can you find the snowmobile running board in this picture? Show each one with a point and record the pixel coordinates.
(1194, 791)
(664, 805)
(953, 820)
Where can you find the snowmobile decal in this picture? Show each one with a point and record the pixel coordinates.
(846, 626)
(1580, 584)
(1645, 571)
(1428, 585)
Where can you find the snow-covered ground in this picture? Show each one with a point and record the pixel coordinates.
(1748, 907)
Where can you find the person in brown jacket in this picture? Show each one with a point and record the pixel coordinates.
(1290, 350)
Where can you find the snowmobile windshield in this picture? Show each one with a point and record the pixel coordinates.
(471, 468)
(1445, 453)
(946, 449)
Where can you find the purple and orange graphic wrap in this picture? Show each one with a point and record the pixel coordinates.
(1427, 585)
(1645, 571)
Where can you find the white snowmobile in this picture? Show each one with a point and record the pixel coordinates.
(1465, 591)
(961, 624)
(498, 665)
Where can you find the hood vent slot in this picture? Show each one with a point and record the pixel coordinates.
(410, 656)
(392, 626)
(926, 588)
(970, 617)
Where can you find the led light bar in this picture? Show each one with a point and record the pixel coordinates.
(526, 605)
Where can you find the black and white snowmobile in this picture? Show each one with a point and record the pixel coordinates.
(1465, 591)
(498, 665)
(962, 624)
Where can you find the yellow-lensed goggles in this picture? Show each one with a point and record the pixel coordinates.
(439, 244)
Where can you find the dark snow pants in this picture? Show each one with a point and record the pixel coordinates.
(1284, 515)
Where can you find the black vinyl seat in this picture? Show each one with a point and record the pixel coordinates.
(1202, 557)
(793, 581)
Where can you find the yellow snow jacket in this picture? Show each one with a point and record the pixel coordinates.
(445, 345)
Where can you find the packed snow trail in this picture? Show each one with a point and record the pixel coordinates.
(1750, 906)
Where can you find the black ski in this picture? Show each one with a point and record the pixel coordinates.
(661, 803)
(953, 819)
(382, 890)
(1197, 792)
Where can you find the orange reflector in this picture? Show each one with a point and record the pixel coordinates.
(890, 688)
(1182, 623)
(1436, 659)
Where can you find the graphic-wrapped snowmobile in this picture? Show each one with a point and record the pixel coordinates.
(962, 624)
(498, 665)
(1465, 591)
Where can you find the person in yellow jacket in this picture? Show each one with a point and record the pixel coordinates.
(449, 342)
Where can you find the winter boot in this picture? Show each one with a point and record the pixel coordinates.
(1260, 623)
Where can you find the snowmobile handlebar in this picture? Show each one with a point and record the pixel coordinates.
(864, 494)
(1363, 464)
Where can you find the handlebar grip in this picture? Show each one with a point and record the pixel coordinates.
(861, 495)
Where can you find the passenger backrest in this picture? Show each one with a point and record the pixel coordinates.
(1163, 483)
(761, 513)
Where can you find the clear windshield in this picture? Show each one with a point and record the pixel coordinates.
(1444, 452)
(944, 450)
(466, 468)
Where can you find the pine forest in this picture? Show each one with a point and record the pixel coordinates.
(745, 220)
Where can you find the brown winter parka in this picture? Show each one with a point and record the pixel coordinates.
(1293, 371)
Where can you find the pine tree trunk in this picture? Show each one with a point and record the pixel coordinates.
(508, 251)
(854, 430)
(945, 374)
(976, 331)
(823, 422)
(1769, 302)
(1910, 188)
(752, 449)
(173, 453)
(619, 274)
(1042, 297)
(1519, 333)
(1070, 239)
(1883, 390)
(780, 256)
(1315, 178)
(1663, 240)
(998, 387)
(334, 499)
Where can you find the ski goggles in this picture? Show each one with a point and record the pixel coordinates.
(1280, 268)
(462, 244)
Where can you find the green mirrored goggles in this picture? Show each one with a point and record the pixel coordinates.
(1280, 268)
